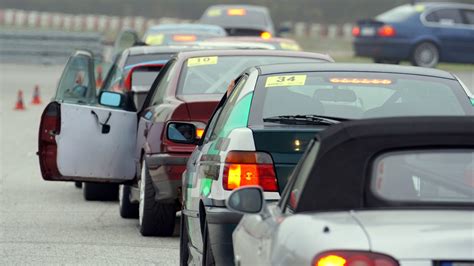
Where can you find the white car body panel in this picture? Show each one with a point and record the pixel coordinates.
(413, 238)
(421, 234)
(106, 156)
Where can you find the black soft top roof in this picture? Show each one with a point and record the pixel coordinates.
(339, 177)
(351, 67)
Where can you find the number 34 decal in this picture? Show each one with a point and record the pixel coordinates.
(288, 80)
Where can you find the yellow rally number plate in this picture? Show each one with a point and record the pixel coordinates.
(155, 39)
(289, 80)
(202, 61)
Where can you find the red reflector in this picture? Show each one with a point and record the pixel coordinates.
(249, 168)
(184, 38)
(356, 31)
(386, 31)
(353, 258)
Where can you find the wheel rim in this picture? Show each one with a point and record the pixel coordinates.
(426, 55)
(141, 205)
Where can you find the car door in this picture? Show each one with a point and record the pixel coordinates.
(80, 140)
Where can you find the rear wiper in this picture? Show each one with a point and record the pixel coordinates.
(305, 119)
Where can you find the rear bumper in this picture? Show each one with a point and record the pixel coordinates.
(166, 170)
(383, 49)
(221, 223)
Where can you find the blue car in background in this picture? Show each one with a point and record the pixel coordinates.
(425, 34)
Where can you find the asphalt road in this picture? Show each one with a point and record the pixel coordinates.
(49, 222)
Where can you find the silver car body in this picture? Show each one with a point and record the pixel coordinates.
(413, 237)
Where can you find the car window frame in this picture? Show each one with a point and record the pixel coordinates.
(168, 68)
(437, 24)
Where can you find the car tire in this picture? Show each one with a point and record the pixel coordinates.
(127, 209)
(207, 257)
(425, 54)
(155, 219)
(183, 243)
(99, 192)
(78, 184)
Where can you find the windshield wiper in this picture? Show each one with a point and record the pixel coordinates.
(305, 119)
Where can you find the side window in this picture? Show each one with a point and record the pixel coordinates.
(299, 178)
(163, 83)
(212, 124)
(469, 16)
(448, 16)
(227, 108)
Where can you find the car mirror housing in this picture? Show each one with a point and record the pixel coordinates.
(111, 99)
(246, 200)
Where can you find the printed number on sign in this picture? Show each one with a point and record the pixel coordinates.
(202, 61)
(289, 80)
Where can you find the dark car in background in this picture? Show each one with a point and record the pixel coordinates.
(425, 34)
(169, 34)
(240, 20)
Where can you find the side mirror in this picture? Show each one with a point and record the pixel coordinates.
(246, 200)
(111, 99)
(185, 133)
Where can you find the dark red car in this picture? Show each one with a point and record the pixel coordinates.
(96, 141)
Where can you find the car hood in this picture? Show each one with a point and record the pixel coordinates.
(420, 234)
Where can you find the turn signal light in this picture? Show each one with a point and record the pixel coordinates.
(184, 38)
(199, 132)
(353, 258)
(266, 35)
(386, 31)
(244, 168)
(356, 31)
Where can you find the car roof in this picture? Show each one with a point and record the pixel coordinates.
(250, 39)
(445, 4)
(139, 50)
(351, 67)
(223, 52)
(355, 144)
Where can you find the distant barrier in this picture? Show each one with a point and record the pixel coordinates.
(112, 24)
(46, 47)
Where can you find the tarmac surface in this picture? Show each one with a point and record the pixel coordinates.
(50, 222)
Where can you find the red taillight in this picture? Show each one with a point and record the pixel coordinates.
(353, 258)
(356, 31)
(386, 31)
(244, 168)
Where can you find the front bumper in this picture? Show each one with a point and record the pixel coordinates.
(221, 224)
(166, 170)
(382, 49)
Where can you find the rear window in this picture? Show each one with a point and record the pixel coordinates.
(357, 95)
(148, 58)
(400, 13)
(212, 74)
(235, 17)
(425, 176)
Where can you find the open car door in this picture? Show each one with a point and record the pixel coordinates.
(125, 39)
(81, 140)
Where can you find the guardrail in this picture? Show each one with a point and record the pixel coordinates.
(46, 47)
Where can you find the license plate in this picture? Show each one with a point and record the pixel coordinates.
(367, 31)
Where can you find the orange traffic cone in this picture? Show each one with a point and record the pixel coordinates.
(19, 103)
(98, 80)
(36, 96)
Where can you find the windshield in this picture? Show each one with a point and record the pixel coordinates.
(357, 95)
(212, 74)
(425, 176)
(400, 13)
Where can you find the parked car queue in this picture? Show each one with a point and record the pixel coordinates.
(221, 132)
